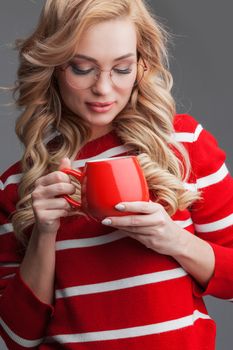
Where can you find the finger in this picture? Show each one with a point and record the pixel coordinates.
(138, 207)
(131, 220)
(52, 178)
(43, 192)
(45, 216)
(51, 204)
(65, 163)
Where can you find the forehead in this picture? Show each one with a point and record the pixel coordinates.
(108, 40)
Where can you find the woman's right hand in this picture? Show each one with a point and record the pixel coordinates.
(47, 201)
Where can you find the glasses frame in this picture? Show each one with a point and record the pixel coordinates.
(99, 70)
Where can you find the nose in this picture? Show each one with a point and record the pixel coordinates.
(103, 84)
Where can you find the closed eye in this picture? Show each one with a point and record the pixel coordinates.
(80, 71)
(122, 71)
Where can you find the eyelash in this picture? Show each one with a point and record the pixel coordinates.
(78, 71)
(123, 71)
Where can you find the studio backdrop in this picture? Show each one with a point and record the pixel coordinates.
(201, 56)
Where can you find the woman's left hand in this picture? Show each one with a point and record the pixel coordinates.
(153, 227)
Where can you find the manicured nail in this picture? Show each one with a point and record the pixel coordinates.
(106, 222)
(120, 207)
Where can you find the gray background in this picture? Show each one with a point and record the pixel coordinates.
(201, 63)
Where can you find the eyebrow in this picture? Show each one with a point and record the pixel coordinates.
(95, 61)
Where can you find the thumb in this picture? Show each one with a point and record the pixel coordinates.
(65, 163)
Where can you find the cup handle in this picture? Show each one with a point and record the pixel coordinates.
(78, 175)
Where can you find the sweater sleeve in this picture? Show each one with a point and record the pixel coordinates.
(23, 317)
(213, 213)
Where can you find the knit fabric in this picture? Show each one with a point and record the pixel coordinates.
(111, 292)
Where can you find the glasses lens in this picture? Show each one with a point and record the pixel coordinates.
(128, 78)
(125, 76)
(122, 78)
(80, 79)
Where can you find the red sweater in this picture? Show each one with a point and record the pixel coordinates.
(111, 292)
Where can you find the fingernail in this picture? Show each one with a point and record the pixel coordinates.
(106, 222)
(120, 207)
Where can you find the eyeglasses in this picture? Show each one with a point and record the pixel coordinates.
(85, 74)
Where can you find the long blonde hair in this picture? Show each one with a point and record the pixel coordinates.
(149, 112)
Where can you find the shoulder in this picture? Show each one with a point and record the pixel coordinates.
(189, 131)
(206, 156)
(185, 123)
(186, 129)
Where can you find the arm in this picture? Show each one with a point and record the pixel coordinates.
(196, 256)
(157, 231)
(38, 266)
(17, 301)
(27, 283)
(213, 215)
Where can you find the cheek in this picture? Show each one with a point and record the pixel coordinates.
(71, 98)
(126, 95)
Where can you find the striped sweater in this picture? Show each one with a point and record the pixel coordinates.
(111, 292)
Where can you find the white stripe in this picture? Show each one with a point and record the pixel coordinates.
(104, 239)
(1, 185)
(90, 242)
(50, 137)
(13, 179)
(208, 180)
(216, 225)
(188, 136)
(8, 276)
(184, 223)
(132, 332)
(121, 284)
(6, 228)
(191, 186)
(106, 154)
(19, 340)
(213, 178)
(3, 344)
(11, 264)
(201, 182)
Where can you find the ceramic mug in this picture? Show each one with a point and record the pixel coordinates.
(107, 182)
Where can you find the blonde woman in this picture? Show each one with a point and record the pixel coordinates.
(93, 78)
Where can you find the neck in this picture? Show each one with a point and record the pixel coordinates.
(97, 132)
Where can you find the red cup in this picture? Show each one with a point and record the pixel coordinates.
(107, 182)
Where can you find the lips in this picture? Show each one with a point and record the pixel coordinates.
(100, 104)
(100, 107)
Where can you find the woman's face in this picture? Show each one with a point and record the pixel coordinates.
(107, 45)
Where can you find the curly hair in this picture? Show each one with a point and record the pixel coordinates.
(150, 111)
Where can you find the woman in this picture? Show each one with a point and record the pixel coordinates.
(93, 80)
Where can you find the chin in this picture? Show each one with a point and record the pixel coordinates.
(101, 119)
